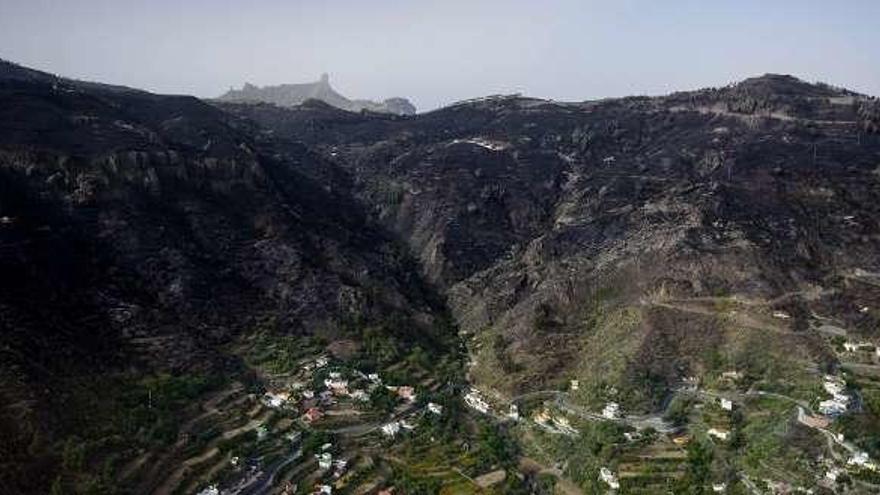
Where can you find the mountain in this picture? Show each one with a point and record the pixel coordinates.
(289, 95)
(141, 236)
(166, 261)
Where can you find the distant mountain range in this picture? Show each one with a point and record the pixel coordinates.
(289, 95)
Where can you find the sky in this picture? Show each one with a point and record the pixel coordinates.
(439, 52)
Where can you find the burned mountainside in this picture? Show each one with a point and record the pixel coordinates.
(140, 234)
(584, 239)
(156, 250)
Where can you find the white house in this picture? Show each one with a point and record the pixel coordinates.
(513, 412)
(406, 425)
(611, 411)
(211, 490)
(832, 474)
(325, 490)
(719, 487)
(726, 404)
(832, 407)
(718, 433)
(325, 460)
(475, 401)
(575, 385)
(337, 386)
(359, 395)
(434, 408)
(391, 429)
(276, 399)
(610, 478)
(861, 459)
(833, 385)
(374, 377)
(850, 346)
(782, 315)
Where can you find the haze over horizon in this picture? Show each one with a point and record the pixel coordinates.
(438, 53)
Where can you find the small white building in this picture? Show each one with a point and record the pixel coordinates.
(325, 490)
(726, 404)
(832, 474)
(832, 407)
(609, 478)
(833, 385)
(337, 386)
(359, 395)
(211, 490)
(781, 315)
(474, 400)
(434, 408)
(325, 460)
(850, 346)
(391, 429)
(632, 436)
(276, 399)
(861, 459)
(513, 412)
(406, 425)
(611, 410)
(718, 433)
(731, 375)
(575, 385)
(719, 487)
(374, 377)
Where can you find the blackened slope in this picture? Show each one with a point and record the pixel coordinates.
(566, 233)
(141, 231)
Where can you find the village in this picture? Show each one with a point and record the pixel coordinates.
(722, 410)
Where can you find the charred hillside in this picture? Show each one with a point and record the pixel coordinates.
(143, 233)
(155, 249)
(557, 228)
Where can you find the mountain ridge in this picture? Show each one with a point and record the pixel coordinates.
(288, 95)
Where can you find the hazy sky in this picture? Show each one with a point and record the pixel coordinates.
(439, 52)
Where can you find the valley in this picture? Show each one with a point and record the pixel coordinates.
(507, 295)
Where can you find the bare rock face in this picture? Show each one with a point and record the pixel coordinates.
(290, 95)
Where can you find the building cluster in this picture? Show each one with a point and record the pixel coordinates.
(474, 399)
(862, 460)
(354, 385)
(861, 346)
(393, 428)
(839, 401)
(611, 410)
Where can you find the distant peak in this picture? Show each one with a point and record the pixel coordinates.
(785, 84)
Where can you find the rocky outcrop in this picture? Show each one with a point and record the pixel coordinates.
(289, 95)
